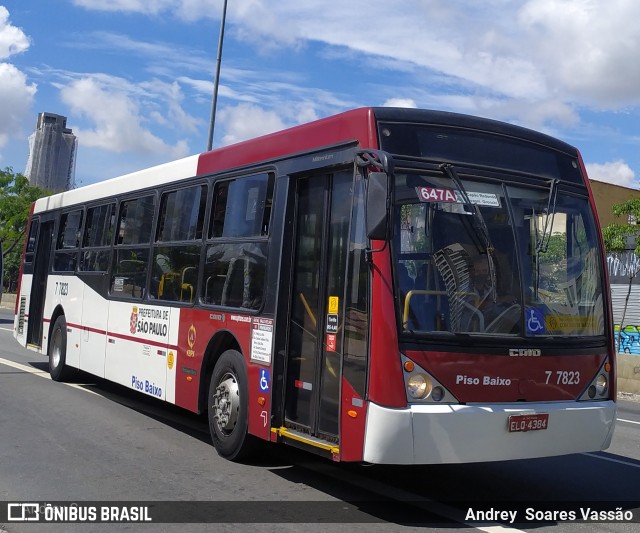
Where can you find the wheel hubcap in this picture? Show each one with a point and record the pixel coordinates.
(56, 348)
(226, 403)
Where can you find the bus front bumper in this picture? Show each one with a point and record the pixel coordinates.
(431, 434)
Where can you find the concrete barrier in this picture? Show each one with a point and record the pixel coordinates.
(628, 373)
(8, 301)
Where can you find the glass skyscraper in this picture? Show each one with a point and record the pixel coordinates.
(52, 154)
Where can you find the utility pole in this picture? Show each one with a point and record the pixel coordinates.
(216, 80)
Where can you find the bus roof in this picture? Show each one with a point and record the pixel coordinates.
(357, 125)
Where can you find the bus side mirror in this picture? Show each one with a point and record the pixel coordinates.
(378, 206)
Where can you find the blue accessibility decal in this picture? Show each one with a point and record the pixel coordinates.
(534, 318)
(265, 379)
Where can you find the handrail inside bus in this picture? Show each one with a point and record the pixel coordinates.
(412, 292)
(308, 309)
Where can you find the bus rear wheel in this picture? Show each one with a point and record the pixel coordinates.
(58, 368)
(228, 409)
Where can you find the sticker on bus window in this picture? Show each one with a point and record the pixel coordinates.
(331, 342)
(432, 194)
(334, 305)
(563, 323)
(261, 340)
(534, 320)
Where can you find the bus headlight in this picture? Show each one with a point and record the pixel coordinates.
(599, 388)
(418, 386)
(601, 384)
(437, 394)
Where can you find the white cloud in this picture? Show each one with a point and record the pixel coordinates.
(586, 49)
(569, 51)
(16, 93)
(119, 125)
(151, 7)
(400, 102)
(167, 55)
(617, 172)
(564, 50)
(16, 98)
(246, 121)
(12, 39)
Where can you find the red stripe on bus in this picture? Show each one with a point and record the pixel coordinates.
(157, 344)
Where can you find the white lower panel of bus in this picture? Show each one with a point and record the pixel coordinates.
(141, 344)
(430, 434)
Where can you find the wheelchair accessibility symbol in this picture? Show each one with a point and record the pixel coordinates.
(535, 321)
(265, 379)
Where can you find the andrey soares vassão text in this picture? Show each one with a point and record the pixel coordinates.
(530, 514)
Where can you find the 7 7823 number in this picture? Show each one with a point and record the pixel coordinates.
(563, 377)
(61, 288)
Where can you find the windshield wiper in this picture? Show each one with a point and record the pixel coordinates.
(542, 243)
(448, 170)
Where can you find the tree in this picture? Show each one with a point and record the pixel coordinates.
(16, 197)
(620, 239)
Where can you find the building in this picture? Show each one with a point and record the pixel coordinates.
(608, 194)
(52, 154)
(620, 265)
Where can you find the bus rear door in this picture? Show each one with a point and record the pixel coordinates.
(42, 240)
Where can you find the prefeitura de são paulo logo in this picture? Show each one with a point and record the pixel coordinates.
(133, 323)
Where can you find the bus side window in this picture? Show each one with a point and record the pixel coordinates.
(97, 238)
(31, 241)
(131, 254)
(178, 245)
(68, 242)
(234, 272)
(129, 275)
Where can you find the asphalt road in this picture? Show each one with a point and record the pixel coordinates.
(91, 441)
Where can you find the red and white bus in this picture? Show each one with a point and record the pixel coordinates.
(386, 285)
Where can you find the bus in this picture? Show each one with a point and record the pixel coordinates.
(316, 287)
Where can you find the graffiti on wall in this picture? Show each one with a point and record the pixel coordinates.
(629, 339)
(620, 266)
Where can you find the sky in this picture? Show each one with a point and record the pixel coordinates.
(135, 77)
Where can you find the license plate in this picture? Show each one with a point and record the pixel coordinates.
(528, 422)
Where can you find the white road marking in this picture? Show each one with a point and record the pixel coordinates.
(592, 454)
(41, 374)
(627, 421)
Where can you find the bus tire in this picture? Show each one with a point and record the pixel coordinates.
(58, 368)
(228, 407)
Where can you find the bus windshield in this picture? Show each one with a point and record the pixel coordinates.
(490, 258)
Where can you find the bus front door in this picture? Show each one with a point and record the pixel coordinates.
(314, 360)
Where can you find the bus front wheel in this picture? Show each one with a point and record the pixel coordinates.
(228, 409)
(58, 368)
